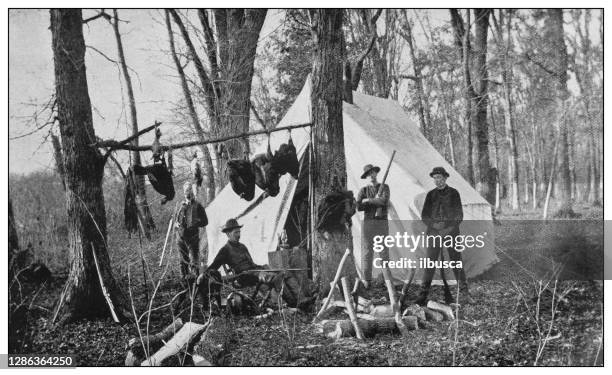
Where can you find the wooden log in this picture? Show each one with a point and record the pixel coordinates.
(432, 315)
(333, 284)
(199, 361)
(217, 342)
(445, 310)
(391, 291)
(132, 359)
(370, 327)
(415, 310)
(382, 311)
(183, 338)
(350, 310)
(153, 343)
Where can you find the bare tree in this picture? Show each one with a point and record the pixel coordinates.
(226, 84)
(503, 26)
(193, 114)
(559, 67)
(329, 167)
(141, 196)
(422, 102)
(462, 41)
(90, 271)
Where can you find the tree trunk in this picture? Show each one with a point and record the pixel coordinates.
(84, 168)
(226, 87)
(462, 41)
(480, 102)
(241, 28)
(141, 196)
(12, 233)
(329, 166)
(555, 21)
(422, 102)
(209, 170)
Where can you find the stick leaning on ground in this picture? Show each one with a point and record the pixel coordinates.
(333, 284)
(170, 224)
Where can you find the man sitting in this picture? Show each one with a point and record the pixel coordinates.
(236, 256)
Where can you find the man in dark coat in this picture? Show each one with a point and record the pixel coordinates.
(375, 222)
(442, 213)
(236, 256)
(189, 219)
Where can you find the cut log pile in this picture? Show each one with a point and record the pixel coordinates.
(366, 319)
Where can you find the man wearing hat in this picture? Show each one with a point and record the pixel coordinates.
(442, 213)
(374, 207)
(236, 256)
(189, 219)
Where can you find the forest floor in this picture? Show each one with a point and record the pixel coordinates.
(508, 325)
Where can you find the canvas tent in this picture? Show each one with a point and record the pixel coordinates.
(373, 127)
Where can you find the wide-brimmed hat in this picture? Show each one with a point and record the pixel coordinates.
(369, 168)
(229, 225)
(439, 170)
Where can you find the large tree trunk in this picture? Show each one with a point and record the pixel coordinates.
(486, 184)
(209, 170)
(560, 65)
(226, 86)
(328, 136)
(141, 197)
(84, 167)
(241, 29)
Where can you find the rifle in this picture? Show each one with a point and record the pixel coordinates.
(382, 184)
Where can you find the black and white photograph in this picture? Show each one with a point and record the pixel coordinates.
(304, 187)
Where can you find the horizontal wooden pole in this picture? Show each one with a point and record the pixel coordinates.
(115, 145)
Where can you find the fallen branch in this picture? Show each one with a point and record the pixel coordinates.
(181, 340)
(104, 291)
(156, 341)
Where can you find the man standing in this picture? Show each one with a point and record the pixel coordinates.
(189, 219)
(374, 207)
(442, 213)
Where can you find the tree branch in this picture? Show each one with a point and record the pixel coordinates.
(101, 14)
(114, 145)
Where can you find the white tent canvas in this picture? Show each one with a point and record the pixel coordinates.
(373, 128)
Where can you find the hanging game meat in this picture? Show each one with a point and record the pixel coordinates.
(335, 210)
(160, 178)
(265, 175)
(242, 178)
(285, 160)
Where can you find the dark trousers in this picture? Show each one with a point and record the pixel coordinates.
(433, 253)
(372, 228)
(436, 253)
(190, 254)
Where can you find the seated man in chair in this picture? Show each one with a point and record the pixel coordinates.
(236, 256)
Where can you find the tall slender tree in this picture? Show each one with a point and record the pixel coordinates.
(559, 67)
(141, 196)
(83, 295)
